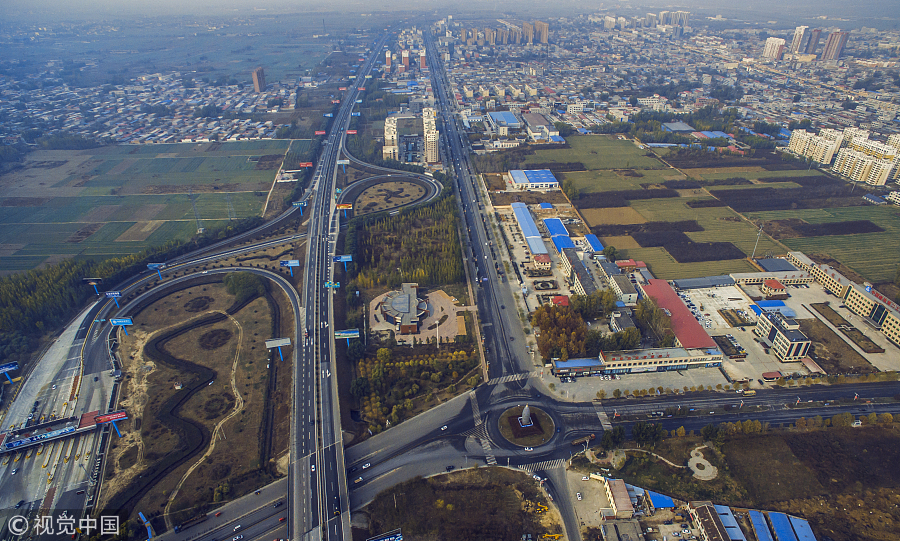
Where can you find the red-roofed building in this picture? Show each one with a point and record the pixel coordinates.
(542, 261)
(629, 265)
(773, 289)
(561, 300)
(689, 334)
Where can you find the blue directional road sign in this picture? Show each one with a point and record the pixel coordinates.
(354, 114)
(341, 258)
(114, 295)
(299, 203)
(332, 285)
(290, 264)
(9, 367)
(154, 266)
(121, 321)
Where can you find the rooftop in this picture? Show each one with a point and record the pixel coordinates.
(688, 331)
(774, 264)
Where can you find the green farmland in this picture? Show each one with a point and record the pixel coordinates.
(873, 255)
(598, 152)
(121, 199)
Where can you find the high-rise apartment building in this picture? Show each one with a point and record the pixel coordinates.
(774, 48)
(404, 59)
(665, 17)
(814, 36)
(860, 167)
(820, 148)
(387, 60)
(801, 39)
(432, 155)
(835, 45)
(527, 33)
(609, 23)
(650, 20)
(681, 18)
(423, 63)
(259, 79)
(542, 31)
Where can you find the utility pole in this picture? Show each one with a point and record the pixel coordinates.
(758, 234)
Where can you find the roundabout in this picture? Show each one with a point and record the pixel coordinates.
(530, 428)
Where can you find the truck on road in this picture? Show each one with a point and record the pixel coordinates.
(582, 441)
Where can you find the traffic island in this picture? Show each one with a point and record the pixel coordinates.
(526, 434)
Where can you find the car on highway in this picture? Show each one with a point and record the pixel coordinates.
(15, 471)
(357, 480)
(366, 465)
(529, 449)
(219, 514)
(312, 467)
(20, 504)
(236, 528)
(237, 538)
(444, 428)
(585, 478)
(279, 503)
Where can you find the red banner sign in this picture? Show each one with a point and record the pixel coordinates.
(322, 132)
(335, 101)
(351, 132)
(304, 164)
(109, 417)
(360, 88)
(342, 88)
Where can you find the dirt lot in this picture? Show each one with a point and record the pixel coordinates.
(494, 182)
(616, 215)
(139, 231)
(84, 233)
(475, 504)
(833, 354)
(196, 188)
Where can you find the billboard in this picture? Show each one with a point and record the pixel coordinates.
(395, 535)
(341, 258)
(121, 321)
(342, 88)
(358, 101)
(304, 164)
(8, 367)
(343, 162)
(344, 206)
(368, 76)
(92, 281)
(278, 342)
(109, 417)
(299, 203)
(320, 132)
(38, 437)
(361, 88)
(111, 294)
(290, 262)
(351, 132)
(347, 333)
(335, 101)
(329, 115)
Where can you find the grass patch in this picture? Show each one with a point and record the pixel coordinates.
(770, 470)
(833, 354)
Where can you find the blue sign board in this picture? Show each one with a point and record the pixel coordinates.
(395, 535)
(329, 115)
(354, 114)
(289, 263)
(8, 367)
(121, 321)
(155, 266)
(358, 101)
(299, 203)
(341, 258)
(111, 294)
(39, 437)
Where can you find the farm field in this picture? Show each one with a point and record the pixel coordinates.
(623, 179)
(757, 173)
(872, 255)
(121, 199)
(598, 152)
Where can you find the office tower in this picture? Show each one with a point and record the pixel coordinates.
(835, 45)
(527, 34)
(404, 59)
(813, 40)
(801, 39)
(259, 79)
(774, 48)
(542, 30)
(387, 60)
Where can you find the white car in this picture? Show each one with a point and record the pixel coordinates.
(578, 495)
(366, 465)
(529, 449)
(444, 428)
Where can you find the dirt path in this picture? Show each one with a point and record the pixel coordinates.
(238, 406)
(664, 459)
(701, 467)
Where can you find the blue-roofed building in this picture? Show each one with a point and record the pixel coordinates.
(533, 179)
(760, 528)
(593, 242)
(546, 206)
(536, 245)
(659, 501)
(781, 527)
(732, 529)
(581, 367)
(557, 139)
(525, 221)
(555, 227)
(561, 242)
(802, 529)
(504, 119)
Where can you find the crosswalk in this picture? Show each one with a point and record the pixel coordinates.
(604, 418)
(489, 452)
(514, 377)
(545, 465)
(476, 412)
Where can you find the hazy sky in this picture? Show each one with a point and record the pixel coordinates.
(36, 10)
